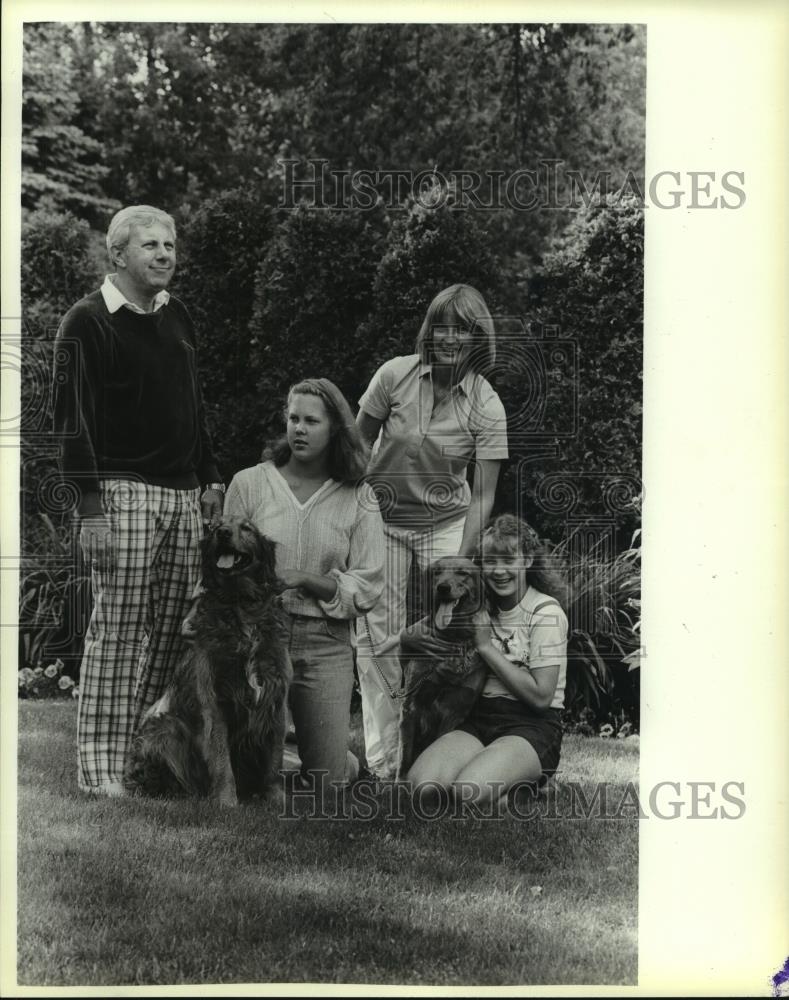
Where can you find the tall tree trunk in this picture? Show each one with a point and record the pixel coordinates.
(515, 32)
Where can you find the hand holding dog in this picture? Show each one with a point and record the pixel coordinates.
(482, 630)
(292, 579)
(211, 507)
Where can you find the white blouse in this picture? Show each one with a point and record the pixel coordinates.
(337, 532)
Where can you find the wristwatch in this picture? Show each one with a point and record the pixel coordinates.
(219, 487)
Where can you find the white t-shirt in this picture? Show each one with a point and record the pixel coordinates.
(533, 635)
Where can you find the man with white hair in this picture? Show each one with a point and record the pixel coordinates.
(136, 453)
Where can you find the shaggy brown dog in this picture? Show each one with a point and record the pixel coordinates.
(442, 673)
(218, 730)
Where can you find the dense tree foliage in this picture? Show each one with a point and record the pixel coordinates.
(590, 297)
(57, 269)
(174, 113)
(61, 164)
(314, 286)
(220, 246)
(592, 287)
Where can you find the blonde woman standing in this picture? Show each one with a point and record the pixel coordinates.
(429, 414)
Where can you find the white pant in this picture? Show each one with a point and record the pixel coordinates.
(380, 710)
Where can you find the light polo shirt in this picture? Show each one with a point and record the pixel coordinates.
(418, 467)
(114, 299)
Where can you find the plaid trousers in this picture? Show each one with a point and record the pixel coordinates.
(133, 640)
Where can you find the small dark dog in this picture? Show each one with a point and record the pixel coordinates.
(219, 728)
(442, 673)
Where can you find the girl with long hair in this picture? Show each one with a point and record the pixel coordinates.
(307, 497)
(513, 734)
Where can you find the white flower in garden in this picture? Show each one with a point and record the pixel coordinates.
(75, 692)
(26, 676)
(59, 664)
(51, 671)
(606, 731)
(65, 682)
(38, 671)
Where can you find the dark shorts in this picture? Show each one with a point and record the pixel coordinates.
(494, 717)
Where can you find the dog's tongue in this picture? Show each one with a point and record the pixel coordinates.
(443, 617)
(225, 561)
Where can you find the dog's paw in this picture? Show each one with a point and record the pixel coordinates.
(227, 798)
(275, 797)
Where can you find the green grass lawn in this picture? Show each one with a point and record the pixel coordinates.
(130, 891)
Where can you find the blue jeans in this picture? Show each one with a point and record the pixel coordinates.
(320, 692)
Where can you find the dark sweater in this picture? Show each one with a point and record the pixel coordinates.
(127, 401)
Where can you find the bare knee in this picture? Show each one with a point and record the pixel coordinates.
(466, 792)
(430, 781)
(426, 772)
(443, 761)
(431, 797)
(475, 793)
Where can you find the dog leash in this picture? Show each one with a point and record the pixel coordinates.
(394, 695)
